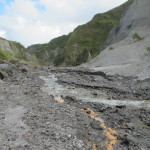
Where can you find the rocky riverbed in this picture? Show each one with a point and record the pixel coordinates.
(72, 109)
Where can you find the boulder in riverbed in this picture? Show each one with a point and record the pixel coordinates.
(7, 67)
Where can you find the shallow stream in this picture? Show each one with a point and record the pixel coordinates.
(52, 87)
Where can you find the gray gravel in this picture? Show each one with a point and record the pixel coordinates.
(30, 119)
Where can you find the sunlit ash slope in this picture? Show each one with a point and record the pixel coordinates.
(84, 43)
(127, 50)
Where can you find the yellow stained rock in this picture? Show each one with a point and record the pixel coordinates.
(108, 132)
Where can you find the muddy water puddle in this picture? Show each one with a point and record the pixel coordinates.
(52, 87)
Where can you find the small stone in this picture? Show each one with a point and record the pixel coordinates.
(69, 135)
(96, 125)
(131, 126)
(88, 111)
(120, 106)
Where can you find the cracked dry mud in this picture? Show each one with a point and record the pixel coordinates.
(37, 116)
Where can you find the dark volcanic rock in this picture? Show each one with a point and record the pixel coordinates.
(96, 125)
(1, 75)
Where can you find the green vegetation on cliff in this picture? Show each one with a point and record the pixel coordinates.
(10, 50)
(50, 52)
(88, 38)
(5, 55)
(93, 35)
(21, 49)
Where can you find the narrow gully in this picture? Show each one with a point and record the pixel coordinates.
(108, 132)
(52, 87)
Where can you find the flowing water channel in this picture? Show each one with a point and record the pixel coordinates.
(52, 87)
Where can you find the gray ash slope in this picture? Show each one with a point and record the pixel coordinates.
(127, 52)
(137, 15)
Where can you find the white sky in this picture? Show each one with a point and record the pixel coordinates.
(38, 21)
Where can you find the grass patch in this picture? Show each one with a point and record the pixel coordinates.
(28, 63)
(5, 55)
(148, 48)
(137, 36)
(111, 48)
